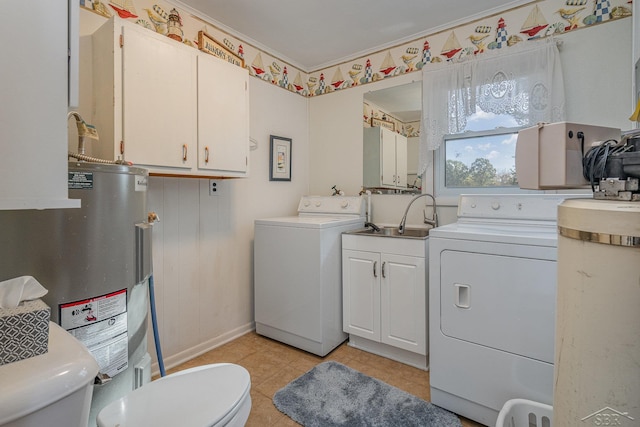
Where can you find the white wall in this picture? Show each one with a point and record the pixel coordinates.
(596, 65)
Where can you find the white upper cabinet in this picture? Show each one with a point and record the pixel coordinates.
(223, 116)
(635, 33)
(34, 90)
(385, 158)
(635, 55)
(167, 107)
(158, 100)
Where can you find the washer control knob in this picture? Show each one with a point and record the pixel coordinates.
(344, 204)
(318, 203)
(495, 206)
(306, 203)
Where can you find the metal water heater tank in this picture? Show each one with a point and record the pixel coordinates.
(95, 262)
(597, 350)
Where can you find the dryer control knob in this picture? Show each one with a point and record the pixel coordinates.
(318, 203)
(495, 206)
(344, 204)
(306, 203)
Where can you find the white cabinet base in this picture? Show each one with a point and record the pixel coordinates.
(399, 355)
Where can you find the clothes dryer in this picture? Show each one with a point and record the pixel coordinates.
(492, 301)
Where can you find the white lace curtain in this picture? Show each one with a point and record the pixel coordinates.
(525, 83)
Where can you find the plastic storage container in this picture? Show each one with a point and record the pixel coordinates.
(597, 380)
(524, 413)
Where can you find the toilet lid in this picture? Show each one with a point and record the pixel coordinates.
(200, 396)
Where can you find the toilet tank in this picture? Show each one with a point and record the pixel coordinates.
(53, 389)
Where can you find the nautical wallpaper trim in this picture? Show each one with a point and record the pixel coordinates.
(496, 32)
(371, 110)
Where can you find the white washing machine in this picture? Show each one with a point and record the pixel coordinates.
(492, 301)
(298, 274)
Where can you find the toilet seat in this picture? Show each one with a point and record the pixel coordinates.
(209, 395)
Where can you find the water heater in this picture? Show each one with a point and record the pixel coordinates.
(95, 262)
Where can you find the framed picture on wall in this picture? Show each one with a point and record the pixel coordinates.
(280, 159)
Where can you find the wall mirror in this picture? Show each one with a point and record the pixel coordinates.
(397, 109)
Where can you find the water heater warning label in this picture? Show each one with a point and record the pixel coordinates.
(100, 323)
(80, 181)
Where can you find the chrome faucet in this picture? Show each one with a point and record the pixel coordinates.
(432, 222)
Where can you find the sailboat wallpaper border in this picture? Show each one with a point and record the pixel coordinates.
(500, 31)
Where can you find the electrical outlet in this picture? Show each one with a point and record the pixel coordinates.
(215, 187)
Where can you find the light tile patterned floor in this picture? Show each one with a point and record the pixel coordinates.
(273, 365)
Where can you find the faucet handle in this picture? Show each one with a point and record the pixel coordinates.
(434, 219)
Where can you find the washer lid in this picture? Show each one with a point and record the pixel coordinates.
(200, 396)
(31, 384)
(312, 221)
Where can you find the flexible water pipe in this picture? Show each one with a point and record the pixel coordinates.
(154, 323)
(90, 159)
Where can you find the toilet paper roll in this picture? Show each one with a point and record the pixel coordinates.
(16, 290)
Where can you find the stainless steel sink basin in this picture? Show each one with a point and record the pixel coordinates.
(409, 233)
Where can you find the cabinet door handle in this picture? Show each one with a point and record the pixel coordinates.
(206, 154)
(184, 152)
(375, 265)
(383, 275)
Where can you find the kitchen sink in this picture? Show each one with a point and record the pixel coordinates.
(409, 233)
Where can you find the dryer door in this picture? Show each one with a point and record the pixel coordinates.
(499, 301)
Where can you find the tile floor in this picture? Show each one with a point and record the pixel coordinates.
(273, 365)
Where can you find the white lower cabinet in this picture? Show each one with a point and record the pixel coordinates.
(384, 285)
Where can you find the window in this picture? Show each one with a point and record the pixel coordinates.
(481, 159)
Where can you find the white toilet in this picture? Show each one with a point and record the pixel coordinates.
(209, 395)
(54, 389)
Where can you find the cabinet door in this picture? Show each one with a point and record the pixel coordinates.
(33, 90)
(361, 293)
(404, 303)
(223, 116)
(401, 161)
(159, 100)
(388, 160)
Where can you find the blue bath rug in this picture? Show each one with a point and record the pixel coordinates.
(332, 395)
